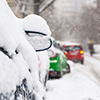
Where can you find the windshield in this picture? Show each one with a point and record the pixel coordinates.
(68, 48)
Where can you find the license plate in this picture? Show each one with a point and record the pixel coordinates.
(74, 53)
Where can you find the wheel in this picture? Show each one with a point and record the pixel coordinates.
(82, 61)
(59, 75)
(68, 68)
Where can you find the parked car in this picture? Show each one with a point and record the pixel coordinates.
(19, 78)
(58, 63)
(74, 52)
(43, 59)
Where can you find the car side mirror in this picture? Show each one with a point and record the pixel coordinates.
(38, 40)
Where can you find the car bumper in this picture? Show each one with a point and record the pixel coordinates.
(80, 57)
(76, 60)
(54, 74)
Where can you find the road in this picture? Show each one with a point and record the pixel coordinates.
(83, 83)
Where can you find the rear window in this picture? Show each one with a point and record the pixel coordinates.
(68, 48)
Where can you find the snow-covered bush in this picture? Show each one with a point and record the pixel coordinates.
(97, 48)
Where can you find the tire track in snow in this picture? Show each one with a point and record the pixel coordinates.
(95, 68)
(94, 56)
(90, 74)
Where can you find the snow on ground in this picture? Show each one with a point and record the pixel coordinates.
(94, 61)
(97, 48)
(81, 84)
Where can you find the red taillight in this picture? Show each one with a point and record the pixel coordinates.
(51, 73)
(72, 45)
(66, 53)
(64, 46)
(81, 52)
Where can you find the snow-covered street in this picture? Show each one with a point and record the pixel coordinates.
(83, 83)
(37, 39)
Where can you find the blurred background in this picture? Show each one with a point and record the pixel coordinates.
(69, 20)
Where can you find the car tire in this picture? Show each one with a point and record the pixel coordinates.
(68, 68)
(59, 75)
(82, 61)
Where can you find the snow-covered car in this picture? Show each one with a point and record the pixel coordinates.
(40, 42)
(43, 66)
(41, 52)
(58, 63)
(19, 78)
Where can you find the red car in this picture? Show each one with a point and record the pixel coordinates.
(74, 53)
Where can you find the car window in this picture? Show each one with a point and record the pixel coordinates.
(68, 48)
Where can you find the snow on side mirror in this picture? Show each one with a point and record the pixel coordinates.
(38, 40)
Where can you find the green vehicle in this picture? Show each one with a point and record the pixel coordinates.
(58, 63)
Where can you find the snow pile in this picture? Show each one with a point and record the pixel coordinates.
(35, 20)
(18, 59)
(97, 48)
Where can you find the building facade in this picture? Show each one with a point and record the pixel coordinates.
(21, 8)
(69, 8)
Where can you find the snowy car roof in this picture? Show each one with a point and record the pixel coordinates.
(69, 43)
